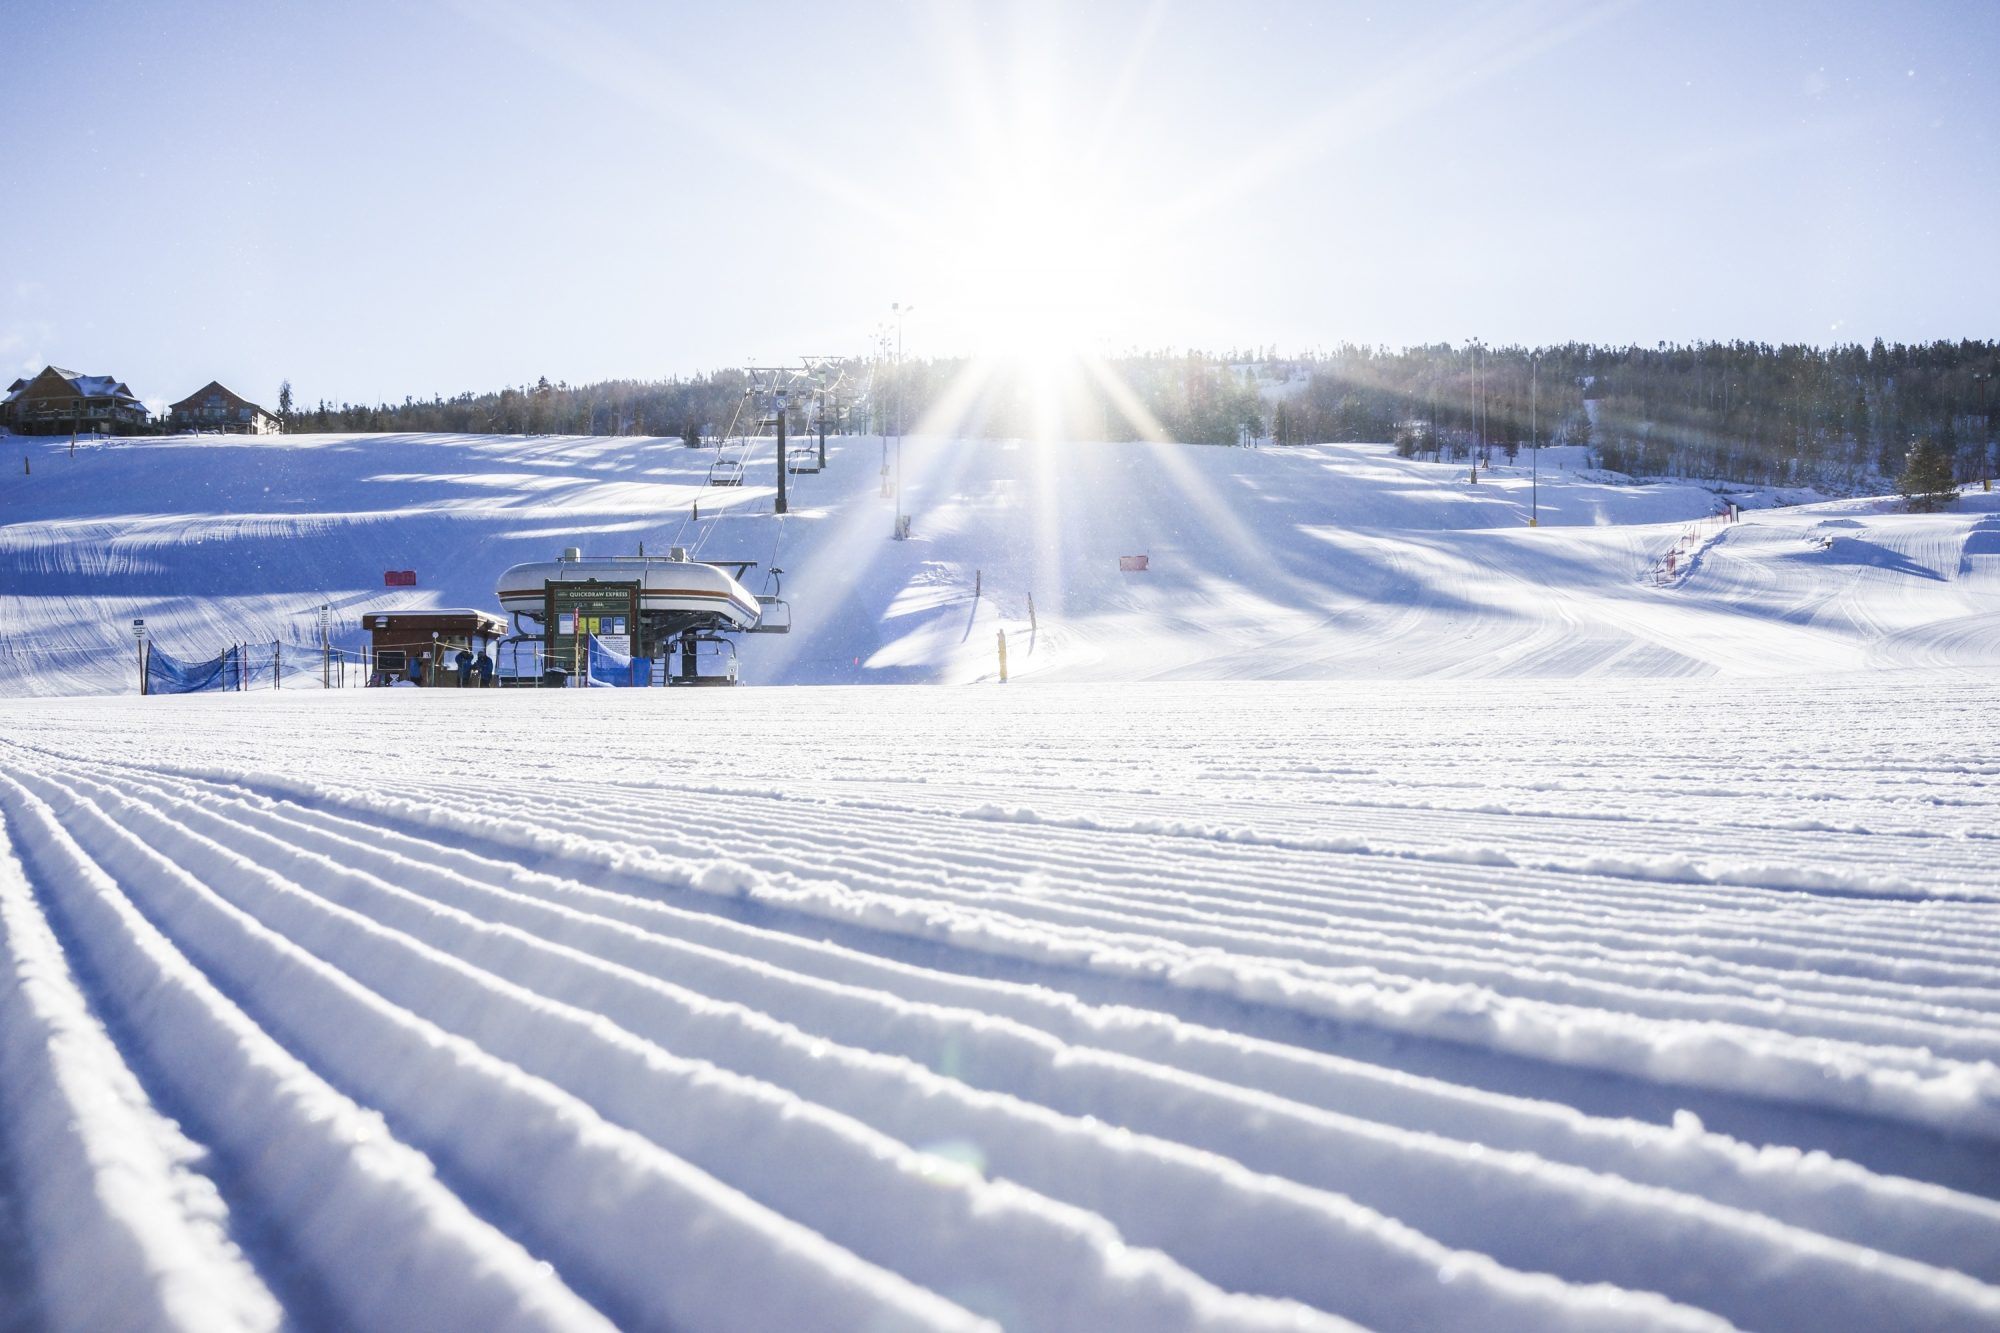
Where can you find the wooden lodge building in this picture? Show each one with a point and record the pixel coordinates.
(421, 646)
(62, 402)
(214, 408)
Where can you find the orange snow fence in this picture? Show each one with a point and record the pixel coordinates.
(1131, 564)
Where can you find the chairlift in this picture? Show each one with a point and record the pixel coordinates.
(774, 612)
(513, 673)
(727, 469)
(705, 659)
(774, 616)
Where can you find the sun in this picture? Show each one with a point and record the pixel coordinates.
(1036, 238)
(1034, 246)
(1036, 273)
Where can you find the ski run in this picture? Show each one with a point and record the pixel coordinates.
(1380, 914)
(920, 1009)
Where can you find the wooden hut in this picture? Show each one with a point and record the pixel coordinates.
(422, 646)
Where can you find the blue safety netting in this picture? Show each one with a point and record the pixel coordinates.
(239, 667)
(166, 674)
(610, 667)
(259, 664)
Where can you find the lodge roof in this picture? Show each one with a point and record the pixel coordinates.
(212, 387)
(84, 386)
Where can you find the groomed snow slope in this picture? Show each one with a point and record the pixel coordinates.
(1541, 1005)
(1314, 563)
(1530, 985)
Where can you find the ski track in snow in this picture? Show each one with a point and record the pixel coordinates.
(1556, 1005)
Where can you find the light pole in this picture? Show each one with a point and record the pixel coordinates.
(1478, 405)
(1982, 378)
(879, 405)
(899, 310)
(1437, 446)
(1485, 416)
(1534, 440)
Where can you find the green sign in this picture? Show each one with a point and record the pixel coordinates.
(574, 611)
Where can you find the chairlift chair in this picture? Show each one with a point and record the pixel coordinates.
(692, 657)
(508, 653)
(774, 612)
(775, 616)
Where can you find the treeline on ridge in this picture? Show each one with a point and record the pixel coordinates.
(1752, 412)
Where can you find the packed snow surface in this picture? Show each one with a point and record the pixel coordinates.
(1333, 561)
(1525, 1006)
(1569, 938)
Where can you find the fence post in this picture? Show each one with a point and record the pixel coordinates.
(1003, 657)
(277, 664)
(1031, 611)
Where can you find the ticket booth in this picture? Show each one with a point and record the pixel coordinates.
(422, 647)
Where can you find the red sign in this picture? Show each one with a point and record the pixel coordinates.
(1132, 564)
(399, 578)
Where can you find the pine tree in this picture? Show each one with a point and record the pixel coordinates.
(285, 406)
(1927, 482)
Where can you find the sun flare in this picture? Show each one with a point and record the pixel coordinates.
(1036, 275)
(1032, 241)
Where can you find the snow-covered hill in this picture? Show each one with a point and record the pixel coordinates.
(1620, 956)
(1330, 561)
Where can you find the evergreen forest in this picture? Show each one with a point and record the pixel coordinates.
(1843, 417)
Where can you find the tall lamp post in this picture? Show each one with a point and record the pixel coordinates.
(1478, 404)
(899, 310)
(1534, 440)
(1982, 378)
(880, 350)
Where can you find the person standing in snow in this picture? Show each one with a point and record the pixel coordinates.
(464, 661)
(484, 666)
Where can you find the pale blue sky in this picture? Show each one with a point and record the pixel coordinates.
(379, 199)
